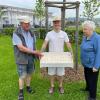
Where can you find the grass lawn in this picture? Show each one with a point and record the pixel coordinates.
(9, 79)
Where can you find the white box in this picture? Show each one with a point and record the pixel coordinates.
(56, 59)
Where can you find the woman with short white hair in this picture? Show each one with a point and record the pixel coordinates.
(90, 57)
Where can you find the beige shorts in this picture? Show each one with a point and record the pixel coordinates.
(60, 71)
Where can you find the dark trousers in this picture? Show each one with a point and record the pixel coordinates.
(91, 81)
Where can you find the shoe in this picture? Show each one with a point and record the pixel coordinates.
(61, 90)
(20, 96)
(51, 90)
(29, 90)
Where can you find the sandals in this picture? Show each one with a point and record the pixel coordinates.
(61, 90)
(21, 96)
(51, 90)
(29, 90)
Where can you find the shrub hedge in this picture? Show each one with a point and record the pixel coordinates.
(42, 33)
(8, 31)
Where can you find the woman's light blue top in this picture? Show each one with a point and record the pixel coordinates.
(90, 51)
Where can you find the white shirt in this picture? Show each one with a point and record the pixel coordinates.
(56, 40)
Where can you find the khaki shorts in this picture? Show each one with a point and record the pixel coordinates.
(60, 71)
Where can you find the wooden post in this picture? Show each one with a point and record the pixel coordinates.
(76, 36)
(63, 16)
(34, 21)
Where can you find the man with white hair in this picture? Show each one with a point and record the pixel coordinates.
(25, 53)
(90, 57)
(56, 39)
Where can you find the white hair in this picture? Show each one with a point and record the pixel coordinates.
(90, 24)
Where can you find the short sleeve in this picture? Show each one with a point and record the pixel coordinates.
(47, 37)
(66, 39)
(16, 40)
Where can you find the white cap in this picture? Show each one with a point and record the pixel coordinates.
(24, 19)
(56, 18)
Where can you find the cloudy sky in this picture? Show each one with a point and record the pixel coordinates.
(31, 3)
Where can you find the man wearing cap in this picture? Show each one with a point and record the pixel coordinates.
(56, 39)
(25, 53)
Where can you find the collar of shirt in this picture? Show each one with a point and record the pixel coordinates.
(89, 38)
(56, 32)
(23, 31)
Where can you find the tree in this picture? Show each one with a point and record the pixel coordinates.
(40, 10)
(91, 9)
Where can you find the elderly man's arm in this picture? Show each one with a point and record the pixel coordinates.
(27, 50)
(17, 41)
(44, 46)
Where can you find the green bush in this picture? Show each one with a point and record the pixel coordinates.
(42, 32)
(98, 30)
(71, 33)
(8, 31)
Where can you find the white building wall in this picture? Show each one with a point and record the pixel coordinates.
(12, 14)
